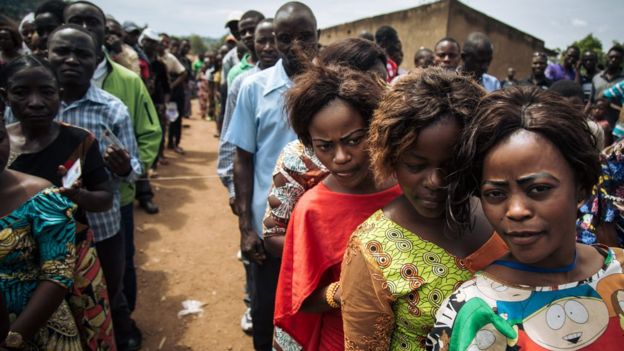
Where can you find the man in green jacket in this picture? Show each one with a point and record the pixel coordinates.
(131, 90)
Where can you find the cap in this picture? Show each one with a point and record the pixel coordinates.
(150, 33)
(234, 16)
(129, 26)
(230, 38)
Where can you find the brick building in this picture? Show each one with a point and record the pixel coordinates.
(424, 25)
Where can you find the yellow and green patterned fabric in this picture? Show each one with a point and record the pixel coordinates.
(418, 274)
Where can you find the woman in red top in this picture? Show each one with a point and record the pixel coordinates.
(330, 109)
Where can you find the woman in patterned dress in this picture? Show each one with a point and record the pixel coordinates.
(37, 256)
(39, 147)
(404, 260)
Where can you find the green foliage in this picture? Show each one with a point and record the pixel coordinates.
(590, 42)
(202, 44)
(197, 44)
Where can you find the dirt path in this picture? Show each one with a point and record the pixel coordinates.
(188, 251)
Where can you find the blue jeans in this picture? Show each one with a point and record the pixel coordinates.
(129, 277)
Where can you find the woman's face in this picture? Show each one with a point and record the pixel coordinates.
(422, 168)
(33, 96)
(529, 195)
(338, 137)
(6, 41)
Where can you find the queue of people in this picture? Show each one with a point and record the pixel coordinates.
(338, 263)
(378, 209)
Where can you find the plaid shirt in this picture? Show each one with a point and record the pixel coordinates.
(96, 112)
(227, 150)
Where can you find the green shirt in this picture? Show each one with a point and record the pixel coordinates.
(197, 66)
(129, 88)
(242, 66)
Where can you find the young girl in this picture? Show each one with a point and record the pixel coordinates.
(404, 259)
(330, 110)
(46, 149)
(298, 169)
(532, 159)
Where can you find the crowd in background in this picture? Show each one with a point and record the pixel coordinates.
(379, 208)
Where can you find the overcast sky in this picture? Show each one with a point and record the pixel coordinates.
(557, 22)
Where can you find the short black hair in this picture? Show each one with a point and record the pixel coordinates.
(477, 40)
(73, 26)
(567, 88)
(16, 38)
(21, 62)
(252, 14)
(450, 40)
(386, 35)
(86, 3)
(292, 6)
(573, 47)
(617, 48)
(356, 53)
(54, 7)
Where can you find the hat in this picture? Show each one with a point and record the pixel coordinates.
(230, 38)
(129, 26)
(234, 16)
(150, 33)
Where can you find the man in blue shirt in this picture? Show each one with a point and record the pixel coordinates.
(476, 58)
(266, 56)
(260, 130)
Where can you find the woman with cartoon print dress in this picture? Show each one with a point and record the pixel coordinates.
(531, 159)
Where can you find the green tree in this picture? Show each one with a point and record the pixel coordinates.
(590, 42)
(197, 44)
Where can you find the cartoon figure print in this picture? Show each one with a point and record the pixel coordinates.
(611, 289)
(567, 319)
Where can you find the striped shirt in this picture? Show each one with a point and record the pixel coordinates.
(96, 112)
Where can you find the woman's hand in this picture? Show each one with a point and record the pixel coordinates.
(98, 198)
(73, 192)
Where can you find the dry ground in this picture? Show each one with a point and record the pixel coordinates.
(188, 251)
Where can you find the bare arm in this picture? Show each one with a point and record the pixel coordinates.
(275, 244)
(317, 303)
(251, 245)
(98, 198)
(43, 302)
(179, 80)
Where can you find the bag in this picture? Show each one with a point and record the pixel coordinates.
(172, 112)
